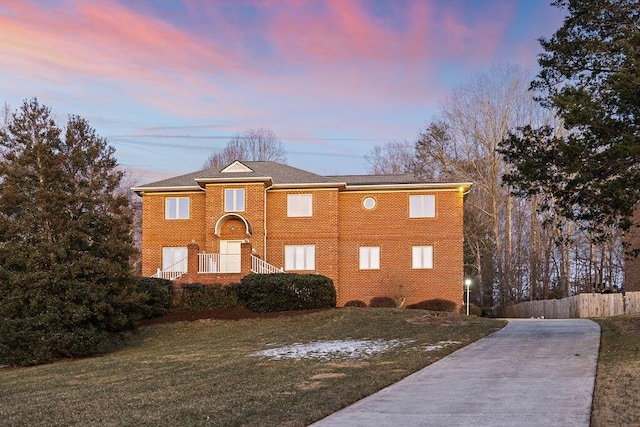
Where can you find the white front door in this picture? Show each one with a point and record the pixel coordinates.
(230, 256)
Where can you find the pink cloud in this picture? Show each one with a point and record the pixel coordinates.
(295, 57)
(106, 41)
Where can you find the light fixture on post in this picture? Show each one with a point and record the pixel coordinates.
(467, 284)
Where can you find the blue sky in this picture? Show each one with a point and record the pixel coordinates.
(169, 82)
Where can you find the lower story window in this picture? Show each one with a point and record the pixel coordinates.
(174, 259)
(422, 257)
(299, 257)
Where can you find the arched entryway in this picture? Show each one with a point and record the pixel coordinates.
(232, 230)
(233, 224)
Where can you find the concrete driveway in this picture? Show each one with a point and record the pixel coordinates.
(533, 372)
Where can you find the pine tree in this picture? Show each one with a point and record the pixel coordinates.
(590, 78)
(65, 240)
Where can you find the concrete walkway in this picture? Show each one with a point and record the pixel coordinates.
(533, 372)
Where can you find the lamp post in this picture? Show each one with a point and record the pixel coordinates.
(467, 284)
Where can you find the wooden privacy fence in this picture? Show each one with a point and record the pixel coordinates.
(581, 305)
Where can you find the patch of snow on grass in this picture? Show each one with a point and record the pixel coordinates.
(441, 345)
(327, 350)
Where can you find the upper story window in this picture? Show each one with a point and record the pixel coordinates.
(369, 257)
(300, 257)
(234, 200)
(423, 206)
(421, 257)
(369, 203)
(176, 208)
(299, 205)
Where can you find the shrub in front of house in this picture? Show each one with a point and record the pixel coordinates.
(203, 297)
(155, 296)
(286, 292)
(383, 302)
(474, 310)
(435, 305)
(355, 303)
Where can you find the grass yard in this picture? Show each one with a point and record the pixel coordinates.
(616, 400)
(210, 372)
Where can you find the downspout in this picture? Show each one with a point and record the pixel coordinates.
(264, 224)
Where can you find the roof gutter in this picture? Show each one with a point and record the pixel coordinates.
(141, 190)
(445, 186)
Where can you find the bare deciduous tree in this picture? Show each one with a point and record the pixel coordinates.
(5, 115)
(255, 144)
(391, 158)
(513, 249)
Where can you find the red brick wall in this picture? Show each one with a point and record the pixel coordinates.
(388, 226)
(632, 264)
(338, 227)
(320, 229)
(254, 201)
(158, 232)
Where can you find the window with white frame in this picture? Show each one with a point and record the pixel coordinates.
(423, 206)
(299, 205)
(299, 257)
(234, 200)
(422, 257)
(176, 208)
(174, 259)
(369, 257)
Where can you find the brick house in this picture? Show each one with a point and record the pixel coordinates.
(632, 263)
(373, 235)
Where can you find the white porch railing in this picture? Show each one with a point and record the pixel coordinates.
(219, 263)
(173, 271)
(261, 267)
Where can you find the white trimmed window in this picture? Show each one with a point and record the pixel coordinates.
(369, 257)
(300, 257)
(369, 203)
(176, 208)
(299, 205)
(421, 257)
(423, 206)
(234, 200)
(174, 259)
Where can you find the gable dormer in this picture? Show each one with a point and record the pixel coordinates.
(236, 167)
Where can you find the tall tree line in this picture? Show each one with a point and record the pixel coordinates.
(514, 250)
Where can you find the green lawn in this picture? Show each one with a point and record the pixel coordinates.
(206, 372)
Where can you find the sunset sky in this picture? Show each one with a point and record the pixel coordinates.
(168, 82)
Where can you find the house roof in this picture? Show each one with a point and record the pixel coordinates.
(377, 179)
(277, 175)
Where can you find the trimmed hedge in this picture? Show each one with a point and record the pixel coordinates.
(435, 305)
(286, 292)
(156, 296)
(383, 302)
(202, 297)
(355, 303)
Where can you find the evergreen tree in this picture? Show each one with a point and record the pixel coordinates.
(65, 240)
(591, 79)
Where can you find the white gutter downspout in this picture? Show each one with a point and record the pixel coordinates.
(264, 226)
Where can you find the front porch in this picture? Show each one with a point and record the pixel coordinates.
(216, 268)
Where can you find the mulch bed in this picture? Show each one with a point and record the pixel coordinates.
(234, 313)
